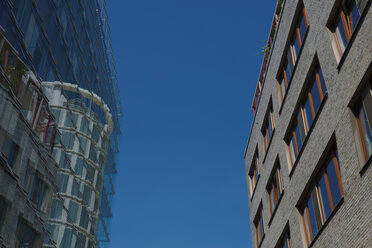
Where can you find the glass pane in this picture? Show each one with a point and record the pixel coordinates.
(333, 182)
(290, 62)
(312, 217)
(292, 150)
(262, 228)
(367, 114)
(308, 115)
(316, 206)
(322, 82)
(324, 195)
(296, 46)
(355, 15)
(298, 136)
(303, 28)
(315, 96)
(341, 35)
(288, 73)
(301, 125)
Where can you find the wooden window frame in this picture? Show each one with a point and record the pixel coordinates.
(253, 176)
(315, 79)
(297, 33)
(309, 237)
(258, 228)
(358, 109)
(272, 186)
(265, 131)
(343, 16)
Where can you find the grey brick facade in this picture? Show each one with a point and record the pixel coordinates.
(350, 224)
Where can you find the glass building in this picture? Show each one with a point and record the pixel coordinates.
(69, 42)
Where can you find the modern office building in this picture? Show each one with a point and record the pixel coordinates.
(66, 46)
(308, 157)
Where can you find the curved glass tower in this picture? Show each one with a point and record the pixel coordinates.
(85, 132)
(69, 41)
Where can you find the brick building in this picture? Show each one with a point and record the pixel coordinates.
(309, 150)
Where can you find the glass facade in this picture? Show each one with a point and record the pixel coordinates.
(68, 41)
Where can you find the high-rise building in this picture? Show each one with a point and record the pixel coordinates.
(65, 48)
(308, 157)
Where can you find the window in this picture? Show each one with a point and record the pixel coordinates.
(285, 242)
(254, 173)
(9, 148)
(306, 114)
(344, 25)
(3, 210)
(275, 189)
(259, 228)
(363, 132)
(299, 34)
(301, 27)
(268, 129)
(325, 193)
(26, 236)
(38, 192)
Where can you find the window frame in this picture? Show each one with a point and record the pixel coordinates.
(291, 140)
(254, 173)
(344, 17)
(275, 175)
(269, 119)
(259, 227)
(357, 109)
(307, 223)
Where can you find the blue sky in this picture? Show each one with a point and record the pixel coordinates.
(187, 71)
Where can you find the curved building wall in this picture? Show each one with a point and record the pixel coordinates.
(85, 138)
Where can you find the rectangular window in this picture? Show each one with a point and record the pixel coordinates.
(285, 242)
(275, 189)
(26, 236)
(259, 228)
(302, 25)
(343, 26)
(3, 210)
(325, 193)
(254, 173)
(297, 40)
(268, 129)
(10, 149)
(309, 108)
(363, 114)
(38, 192)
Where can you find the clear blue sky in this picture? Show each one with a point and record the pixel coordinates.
(187, 71)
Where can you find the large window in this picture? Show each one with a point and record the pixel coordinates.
(9, 148)
(275, 189)
(259, 227)
(324, 195)
(306, 114)
(344, 25)
(254, 173)
(268, 129)
(26, 236)
(285, 242)
(294, 48)
(3, 210)
(363, 132)
(299, 34)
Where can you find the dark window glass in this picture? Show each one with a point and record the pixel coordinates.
(303, 28)
(296, 46)
(290, 63)
(355, 16)
(315, 96)
(333, 182)
(312, 217)
(341, 35)
(298, 137)
(322, 82)
(3, 209)
(308, 113)
(26, 236)
(325, 198)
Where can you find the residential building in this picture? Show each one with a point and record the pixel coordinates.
(308, 157)
(67, 44)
